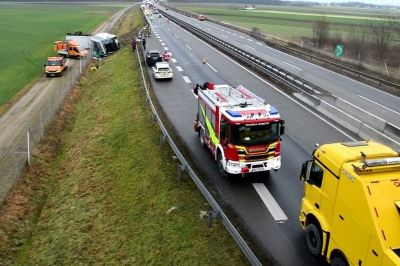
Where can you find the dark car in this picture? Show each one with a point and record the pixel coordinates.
(152, 57)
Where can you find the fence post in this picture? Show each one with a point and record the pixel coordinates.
(28, 136)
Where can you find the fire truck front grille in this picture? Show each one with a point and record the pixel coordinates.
(261, 157)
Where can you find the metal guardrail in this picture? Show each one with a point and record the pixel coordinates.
(217, 210)
(299, 52)
(292, 81)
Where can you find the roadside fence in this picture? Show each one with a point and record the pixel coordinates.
(24, 128)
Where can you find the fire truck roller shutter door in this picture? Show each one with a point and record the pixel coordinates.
(209, 128)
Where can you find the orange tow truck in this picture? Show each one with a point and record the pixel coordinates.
(55, 66)
(69, 48)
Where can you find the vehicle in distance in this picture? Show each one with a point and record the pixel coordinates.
(201, 17)
(162, 70)
(242, 132)
(351, 205)
(69, 48)
(55, 66)
(152, 57)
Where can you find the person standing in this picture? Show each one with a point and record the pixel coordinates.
(144, 43)
(133, 44)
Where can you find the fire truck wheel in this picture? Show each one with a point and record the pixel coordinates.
(314, 239)
(339, 261)
(201, 136)
(221, 166)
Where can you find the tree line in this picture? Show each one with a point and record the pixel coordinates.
(381, 36)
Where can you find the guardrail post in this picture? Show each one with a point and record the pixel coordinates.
(28, 139)
(212, 215)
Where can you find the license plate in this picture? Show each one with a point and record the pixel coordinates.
(258, 169)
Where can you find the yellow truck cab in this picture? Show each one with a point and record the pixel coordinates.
(351, 206)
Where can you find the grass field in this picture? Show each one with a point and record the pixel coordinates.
(292, 22)
(27, 35)
(105, 196)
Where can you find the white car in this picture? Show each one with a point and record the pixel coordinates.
(162, 70)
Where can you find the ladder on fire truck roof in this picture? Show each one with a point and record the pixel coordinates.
(238, 96)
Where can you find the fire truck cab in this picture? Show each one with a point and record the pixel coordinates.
(241, 130)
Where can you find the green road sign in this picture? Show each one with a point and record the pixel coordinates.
(339, 50)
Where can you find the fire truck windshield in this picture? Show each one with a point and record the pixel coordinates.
(254, 134)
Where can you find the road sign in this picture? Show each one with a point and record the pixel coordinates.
(339, 50)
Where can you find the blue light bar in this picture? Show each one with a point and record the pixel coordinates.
(273, 111)
(233, 113)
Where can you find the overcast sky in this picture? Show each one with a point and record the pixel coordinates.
(375, 2)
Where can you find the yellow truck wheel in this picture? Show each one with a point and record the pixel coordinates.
(314, 239)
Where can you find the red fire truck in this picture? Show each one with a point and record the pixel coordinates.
(241, 130)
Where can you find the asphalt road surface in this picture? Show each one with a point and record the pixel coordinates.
(379, 103)
(278, 234)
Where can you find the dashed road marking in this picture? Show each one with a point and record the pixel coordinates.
(166, 48)
(212, 67)
(186, 79)
(250, 47)
(234, 34)
(292, 65)
(269, 201)
(173, 60)
(250, 40)
(162, 44)
(179, 68)
(259, 43)
(241, 37)
(188, 47)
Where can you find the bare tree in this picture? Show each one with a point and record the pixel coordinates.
(383, 34)
(320, 32)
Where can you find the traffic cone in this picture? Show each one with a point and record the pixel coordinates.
(204, 60)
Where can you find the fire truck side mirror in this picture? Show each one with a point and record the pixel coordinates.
(282, 127)
(305, 170)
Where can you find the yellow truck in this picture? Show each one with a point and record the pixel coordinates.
(350, 211)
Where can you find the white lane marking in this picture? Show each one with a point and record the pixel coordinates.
(188, 47)
(259, 43)
(241, 37)
(162, 44)
(355, 106)
(228, 31)
(250, 40)
(224, 36)
(212, 67)
(168, 29)
(387, 108)
(166, 48)
(160, 40)
(234, 34)
(250, 47)
(275, 88)
(292, 65)
(186, 79)
(179, 68)
(173, 60)
(270, 202)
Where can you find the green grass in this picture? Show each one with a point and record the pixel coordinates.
(112, 184)
(27, 35)
(290, 22)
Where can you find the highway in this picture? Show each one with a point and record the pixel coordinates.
(380, 104)
(278, 237)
